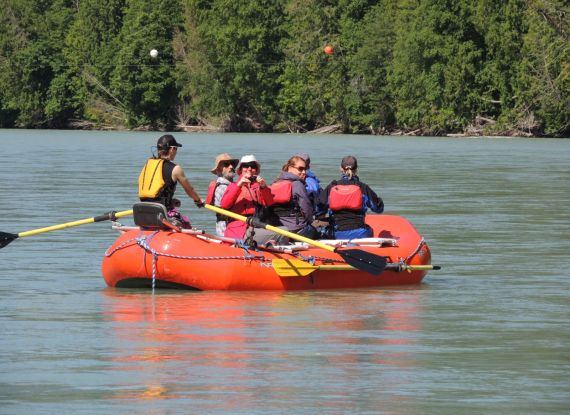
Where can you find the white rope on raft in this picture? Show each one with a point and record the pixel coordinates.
(376, 242)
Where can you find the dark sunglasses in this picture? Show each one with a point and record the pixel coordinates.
(300, 168)
(228, 164)
(246, 165)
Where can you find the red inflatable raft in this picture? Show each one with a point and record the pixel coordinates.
(198, 261)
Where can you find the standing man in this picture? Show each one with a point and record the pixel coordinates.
(224, 168)
(159, 177)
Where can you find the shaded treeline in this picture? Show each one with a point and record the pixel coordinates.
(410, 66)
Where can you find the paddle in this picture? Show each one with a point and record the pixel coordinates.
(298, 268)
(6, 238)
(364, 261)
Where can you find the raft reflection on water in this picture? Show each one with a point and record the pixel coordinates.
(260, 345)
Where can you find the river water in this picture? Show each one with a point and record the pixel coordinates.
(488, 334)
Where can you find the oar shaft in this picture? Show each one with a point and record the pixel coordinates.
(275, 229)
(389, 267)
(297, 268)
(106, 216)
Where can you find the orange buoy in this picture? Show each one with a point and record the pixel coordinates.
(328, 50)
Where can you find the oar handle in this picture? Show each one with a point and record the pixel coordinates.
(106, 216)
(396, 266)
(112, 215)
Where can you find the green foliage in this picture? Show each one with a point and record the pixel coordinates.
(144, 85)
(232, 58)
(432, 66)
(500, 25)
(544, 77)
(370, 100)
(92, 45)
(32, 58)
(309, 77)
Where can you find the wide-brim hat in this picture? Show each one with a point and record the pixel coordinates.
(249, 158)
(223, 157)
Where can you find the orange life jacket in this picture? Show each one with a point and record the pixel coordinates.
(282, 191)
(345, 196)
(211, 192)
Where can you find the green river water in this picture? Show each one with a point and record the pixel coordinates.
(488, 334)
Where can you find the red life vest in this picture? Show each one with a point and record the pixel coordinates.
(345, 196)
(282, 191)
(211, 192)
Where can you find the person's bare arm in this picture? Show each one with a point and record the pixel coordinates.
(179, 176)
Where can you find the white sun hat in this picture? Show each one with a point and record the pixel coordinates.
(249, 158)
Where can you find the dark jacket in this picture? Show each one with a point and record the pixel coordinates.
(299, 212)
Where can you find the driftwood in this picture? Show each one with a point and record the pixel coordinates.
(415, 132)
(199, 128)
(89, 125)
(328, 129)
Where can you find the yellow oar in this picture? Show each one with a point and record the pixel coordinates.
(364, 261)
(298, 268)
(6, 238)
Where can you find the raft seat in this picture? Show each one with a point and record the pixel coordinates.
(150, 216)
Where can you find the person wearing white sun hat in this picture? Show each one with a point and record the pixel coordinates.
(249, 196)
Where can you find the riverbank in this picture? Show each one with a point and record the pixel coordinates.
(481, 126)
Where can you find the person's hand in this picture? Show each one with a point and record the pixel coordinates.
(243, 180)
(199, 203)
(261, 181)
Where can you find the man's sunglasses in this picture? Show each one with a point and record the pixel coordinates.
(228, 164)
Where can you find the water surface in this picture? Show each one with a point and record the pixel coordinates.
(487, 334)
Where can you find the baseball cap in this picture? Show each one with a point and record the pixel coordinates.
(167, 141)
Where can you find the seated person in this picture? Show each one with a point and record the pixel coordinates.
(292, 204)
(248, 197)
(159, 177)
(313, 186)
(224, 169)
(348, 199)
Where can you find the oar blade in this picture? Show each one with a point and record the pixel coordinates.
(6, 238)
(293, 267)
(364, 261)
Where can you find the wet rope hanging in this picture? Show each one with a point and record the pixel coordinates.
(144, 242)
